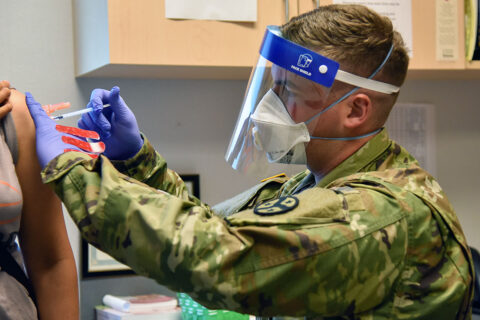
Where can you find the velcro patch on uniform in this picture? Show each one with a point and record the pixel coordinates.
(277, 206)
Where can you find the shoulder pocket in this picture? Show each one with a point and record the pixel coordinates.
(315, 206)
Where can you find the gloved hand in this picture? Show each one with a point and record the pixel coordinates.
(53, 140)
(116, 125)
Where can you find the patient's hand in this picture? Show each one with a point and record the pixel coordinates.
(5, 105)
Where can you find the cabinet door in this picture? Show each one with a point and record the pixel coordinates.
(308, 5)
(141, 40)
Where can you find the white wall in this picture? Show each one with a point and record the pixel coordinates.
(458, 144)
(190, 122)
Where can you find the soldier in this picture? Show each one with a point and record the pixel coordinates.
(363, 233)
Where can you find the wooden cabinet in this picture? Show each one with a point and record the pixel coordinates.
(124, 38)
(424, 63)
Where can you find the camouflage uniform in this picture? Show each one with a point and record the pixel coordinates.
(375, 239)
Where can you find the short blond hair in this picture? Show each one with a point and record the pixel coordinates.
(355, 36)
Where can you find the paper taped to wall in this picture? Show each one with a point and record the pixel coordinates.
(446, 27)
(225, 10)
(412, 125)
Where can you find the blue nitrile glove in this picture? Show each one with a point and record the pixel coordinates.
(116, 125)
(53, 140)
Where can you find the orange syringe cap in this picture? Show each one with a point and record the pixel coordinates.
(51, 108)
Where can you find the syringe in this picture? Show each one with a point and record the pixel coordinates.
(76, 113)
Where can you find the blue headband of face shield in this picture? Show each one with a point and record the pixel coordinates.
(317, 68)
(297, 59)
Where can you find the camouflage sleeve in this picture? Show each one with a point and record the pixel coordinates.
(146, 166)
(333, 253)
(149, 167)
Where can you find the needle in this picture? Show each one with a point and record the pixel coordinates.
(75, 113)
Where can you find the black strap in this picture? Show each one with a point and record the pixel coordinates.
(10, 266)
(476, 294)
(8, 127)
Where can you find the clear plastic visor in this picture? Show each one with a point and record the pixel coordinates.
(301, 99)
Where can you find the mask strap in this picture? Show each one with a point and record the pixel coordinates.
(383, 63)
(345, 96)
(350, 138)
(332, 105)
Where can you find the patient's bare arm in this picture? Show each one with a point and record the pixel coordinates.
(43, 236)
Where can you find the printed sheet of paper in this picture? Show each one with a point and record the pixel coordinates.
(225, 10)
(412, 125)
(100, 261)
(447, 30)
(399, 11)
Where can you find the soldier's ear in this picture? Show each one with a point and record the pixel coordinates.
(359, 109)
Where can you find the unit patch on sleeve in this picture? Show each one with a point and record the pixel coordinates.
(277, 206)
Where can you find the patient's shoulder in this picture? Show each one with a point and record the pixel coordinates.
(24, 125)
(20, 111)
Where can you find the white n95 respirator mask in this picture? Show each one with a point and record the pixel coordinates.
(277, 134)
(288, 90)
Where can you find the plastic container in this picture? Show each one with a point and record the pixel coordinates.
(191, 310)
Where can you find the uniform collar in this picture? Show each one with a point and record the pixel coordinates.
(360, 159)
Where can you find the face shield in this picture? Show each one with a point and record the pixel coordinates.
(286, 92)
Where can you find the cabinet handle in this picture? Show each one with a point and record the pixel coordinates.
(287, 11)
